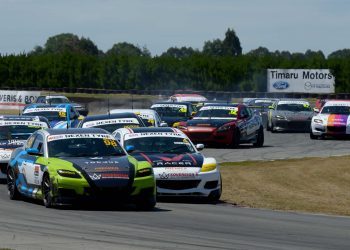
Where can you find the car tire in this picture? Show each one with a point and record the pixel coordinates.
(13, 192)
(236, 137)
(259, 138)
(313, 137)
(146, 204)
(47, 191)
(272, 128)
(214, 196)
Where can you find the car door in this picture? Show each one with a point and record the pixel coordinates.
(248, 124)
(28, 167)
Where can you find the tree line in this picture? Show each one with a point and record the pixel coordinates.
(69, 61)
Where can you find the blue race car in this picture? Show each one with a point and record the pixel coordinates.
(59, 115)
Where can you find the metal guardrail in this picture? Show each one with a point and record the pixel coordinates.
(219, 95)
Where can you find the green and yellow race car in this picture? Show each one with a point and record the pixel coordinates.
(66, 166)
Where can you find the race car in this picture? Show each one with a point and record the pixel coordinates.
(14, 131)
(333, 120)
(59, 115)
(226, 125)
(179, 169)
(112, 122)
(60, 99)
(70, 166)
(261, 106)
(173, 112)
(290, 116)
(149, 117)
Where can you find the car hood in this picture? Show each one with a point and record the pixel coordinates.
(104, 172)
(159, 160)
(333, 119)
(303, 115)
(208, 122)
(58, 124)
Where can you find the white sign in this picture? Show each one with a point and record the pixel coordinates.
(300, 81)
(16, 99)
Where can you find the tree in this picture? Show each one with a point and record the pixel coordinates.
(127, 49)
(231, 44)
(213, 48)
(180, 52)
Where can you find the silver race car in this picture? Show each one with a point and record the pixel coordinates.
(290, 115)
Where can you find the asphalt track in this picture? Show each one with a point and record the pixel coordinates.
(181, 225)
(282, 146)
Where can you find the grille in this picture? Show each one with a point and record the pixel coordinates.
(178, 185)
(338, 129)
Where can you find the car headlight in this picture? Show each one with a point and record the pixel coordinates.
(319, 121)
(224, 128)
(280, 117)
(68, 173)
(208, 167)
(144, 172)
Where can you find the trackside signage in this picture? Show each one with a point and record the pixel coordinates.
(16, 99)
(300, 81)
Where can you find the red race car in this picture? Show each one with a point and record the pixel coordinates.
(225, 124)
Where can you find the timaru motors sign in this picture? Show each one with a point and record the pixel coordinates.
(300, 81)
(16, 99)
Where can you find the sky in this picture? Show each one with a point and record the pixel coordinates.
(293, 25)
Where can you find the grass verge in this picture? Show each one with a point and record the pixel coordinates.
(318, 185)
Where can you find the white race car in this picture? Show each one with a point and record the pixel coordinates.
(333, 120)
(179, 169)
(149, 116)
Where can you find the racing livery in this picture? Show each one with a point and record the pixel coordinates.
(333, 120)
(149, 117)
(112, 122)
(290, 115)
(174, 112)
(179, 169)
(261, 106)
(225, 124)
(59, 116)
(65, 166)
(14, 131)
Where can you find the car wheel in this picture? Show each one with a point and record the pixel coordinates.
(47, 191)
(259, 138)
(146, 204)
(214, 196)
(11, 185)
(272, 128)
(236, 138)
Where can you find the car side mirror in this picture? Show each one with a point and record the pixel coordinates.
(33, 151)
(129, 148)
(200, 147)
(163, 124)
(316, 110)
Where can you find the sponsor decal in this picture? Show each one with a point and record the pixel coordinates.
(24, 123)
(106, 169)
(101, 162)
(42, 109)
(73, 136)
(5, 154)
(95, 176)
(337, 120)
(219, 107)
(90, 124)
(294, 102)
(161, 163)
(280, 85)
(115, 176)
(337, 103)
(36, 170)
(170, 105)
(152, 134)
(180, 175)
(12, 143)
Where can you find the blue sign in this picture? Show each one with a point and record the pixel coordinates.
(281, 85)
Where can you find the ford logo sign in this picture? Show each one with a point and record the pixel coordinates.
(281, 85)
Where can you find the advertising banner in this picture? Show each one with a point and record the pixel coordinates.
(316, 81)
(11, 99)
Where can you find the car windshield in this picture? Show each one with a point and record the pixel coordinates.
(174, 145)
(337, 110)
(84, 147)
(170, 111)
(294, 107)
(18, 132)
(50, 115)
(223, 113)
(57, 100)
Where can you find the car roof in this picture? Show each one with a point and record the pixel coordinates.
(110, 116)
(165, 102)
(145, 111)
(76, 131)
(223, 104)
